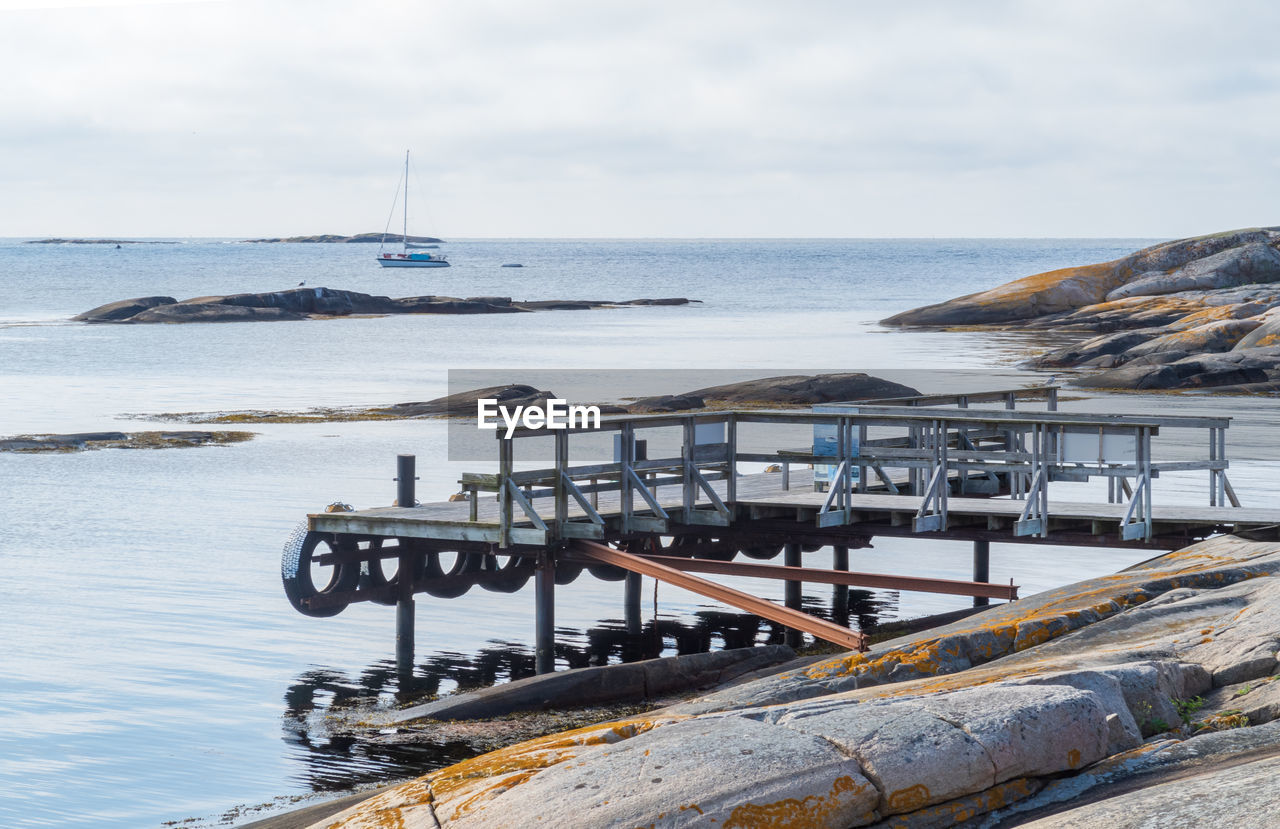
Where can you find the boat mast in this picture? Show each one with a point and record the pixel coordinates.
(404, 234)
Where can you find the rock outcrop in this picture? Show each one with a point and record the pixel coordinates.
(1180, 301)
(319, 303)
(789, 390)
(1027, 703)
(794, 389)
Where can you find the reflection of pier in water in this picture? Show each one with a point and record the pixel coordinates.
(336, 761)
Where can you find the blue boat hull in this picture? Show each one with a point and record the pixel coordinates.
(413, 263)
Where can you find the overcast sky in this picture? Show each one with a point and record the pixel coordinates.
(642, 118)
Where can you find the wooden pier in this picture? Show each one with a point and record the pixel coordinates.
(925, 467)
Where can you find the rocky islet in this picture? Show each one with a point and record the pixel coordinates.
(1198, 313)
(320, 303)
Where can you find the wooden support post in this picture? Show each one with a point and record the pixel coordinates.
(544, 598)
(981, 569)
(791, 591)
(631, 603)
(840, 593)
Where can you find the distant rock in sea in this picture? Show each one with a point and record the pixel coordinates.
(330, 238)
(116, 242)
(320, 303)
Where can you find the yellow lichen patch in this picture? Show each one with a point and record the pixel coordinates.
(1217, 313)
(908, 799)
(1073, 758)
(795, 813)
(966, 808)
(472, 783)
(1016, 627)
(387, 810)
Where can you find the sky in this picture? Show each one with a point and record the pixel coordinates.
(649, 118)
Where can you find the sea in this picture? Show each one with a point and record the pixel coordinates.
(152, 671)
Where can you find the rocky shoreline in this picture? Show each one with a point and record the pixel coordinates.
(324, 303)
(1166, 669)
(1200, 313)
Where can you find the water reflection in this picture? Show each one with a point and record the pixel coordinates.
(334, 760)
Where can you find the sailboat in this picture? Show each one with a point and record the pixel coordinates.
(407, 259)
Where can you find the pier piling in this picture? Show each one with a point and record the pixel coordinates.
(544, 590)
(981, 569)
(404, 637)
(631, 602)
(791, 592)
(840, 597)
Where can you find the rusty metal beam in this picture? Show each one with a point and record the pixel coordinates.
(808, 574)
(736, 598)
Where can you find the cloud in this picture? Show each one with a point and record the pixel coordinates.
(661, 118)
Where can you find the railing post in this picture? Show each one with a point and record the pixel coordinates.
(506, 459)
(862, 468)
(689, 491)
(627, 444)
(562, 492)
(1146, 471)
(1044, 478)
(1222, 473)
(944, 462)
(731, 473)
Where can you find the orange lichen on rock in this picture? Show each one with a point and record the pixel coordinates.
(812, 812)
(909, 799)
(966, 808)
(469, 784)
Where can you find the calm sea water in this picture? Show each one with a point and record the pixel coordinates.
(151, 667)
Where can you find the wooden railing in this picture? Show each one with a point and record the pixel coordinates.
(988, 452)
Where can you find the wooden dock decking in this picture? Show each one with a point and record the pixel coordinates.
(761, 495)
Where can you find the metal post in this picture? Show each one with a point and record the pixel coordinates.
(404, 637)
(981, 569)
(544, 597)
(631, 602)
(404, 607)
(405, 479)
(840, 595)
(791, 591)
